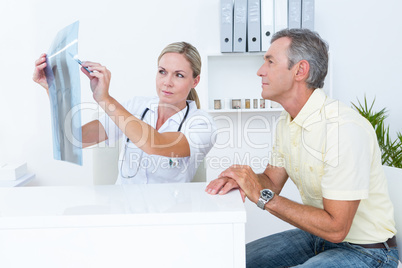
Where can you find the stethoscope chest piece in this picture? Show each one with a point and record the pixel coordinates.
(173, 162)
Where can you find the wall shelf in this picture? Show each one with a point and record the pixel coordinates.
(245, 110)
(233, 76)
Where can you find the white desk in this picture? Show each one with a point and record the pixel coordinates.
(18, 182)
(159, 225)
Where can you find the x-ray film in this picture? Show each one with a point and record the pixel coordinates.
(63, 78)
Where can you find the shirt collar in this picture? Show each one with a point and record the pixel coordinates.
(178, 117)
(311, 109)
(152, 104)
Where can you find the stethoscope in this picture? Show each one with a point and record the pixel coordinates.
(128, 140)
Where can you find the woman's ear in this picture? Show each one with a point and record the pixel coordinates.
(302, 70)
(196, 81)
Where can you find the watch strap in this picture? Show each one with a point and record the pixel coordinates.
(261, 203)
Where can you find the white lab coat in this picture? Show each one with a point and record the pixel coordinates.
(198, 129)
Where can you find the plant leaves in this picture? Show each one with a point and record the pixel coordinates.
(391, 151)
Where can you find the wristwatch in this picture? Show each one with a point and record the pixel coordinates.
(265, 196)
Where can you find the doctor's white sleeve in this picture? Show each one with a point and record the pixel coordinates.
(200, 132)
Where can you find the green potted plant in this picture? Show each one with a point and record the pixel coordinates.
(391, 150)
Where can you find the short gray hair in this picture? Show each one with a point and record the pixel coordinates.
(307, 45)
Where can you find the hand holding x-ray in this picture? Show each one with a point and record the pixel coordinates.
(100, 80)
(39, 75)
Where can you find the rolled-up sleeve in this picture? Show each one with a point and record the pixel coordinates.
(200, 133)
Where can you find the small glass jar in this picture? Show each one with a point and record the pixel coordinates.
(247, 103)
(236, 104)
(217, 104)
(262, 104)
(255, 104)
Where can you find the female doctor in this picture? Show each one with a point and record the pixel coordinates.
(165, 137)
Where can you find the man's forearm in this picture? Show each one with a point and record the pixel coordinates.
(332, 227)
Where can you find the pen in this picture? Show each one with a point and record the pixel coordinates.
(79, 62)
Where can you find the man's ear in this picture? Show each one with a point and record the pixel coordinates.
(302, 70)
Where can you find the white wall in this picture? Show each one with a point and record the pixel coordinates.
(365, 38)
(127, 36)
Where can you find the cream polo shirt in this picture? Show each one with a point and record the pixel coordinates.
(330, 151)
(138, 167)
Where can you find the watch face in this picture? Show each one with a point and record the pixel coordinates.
(267, 194)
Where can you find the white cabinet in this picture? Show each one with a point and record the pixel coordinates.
(154, 225)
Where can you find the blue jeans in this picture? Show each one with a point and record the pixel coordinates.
(301, 249)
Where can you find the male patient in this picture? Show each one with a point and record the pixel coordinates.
(331, 153)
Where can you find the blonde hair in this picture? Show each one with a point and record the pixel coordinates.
(193, 57)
